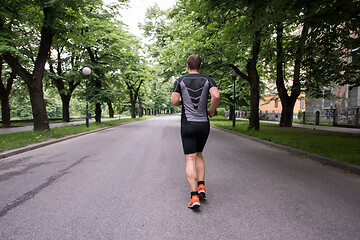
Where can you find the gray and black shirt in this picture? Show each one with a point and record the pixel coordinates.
(194, 90)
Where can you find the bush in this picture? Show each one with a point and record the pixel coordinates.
(220, 111)
(300, 115)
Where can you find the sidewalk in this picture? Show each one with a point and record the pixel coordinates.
(53, 125)
(324, 128)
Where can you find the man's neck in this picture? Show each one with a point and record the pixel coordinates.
(193, 71)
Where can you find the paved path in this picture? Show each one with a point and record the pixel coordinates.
(128, 182)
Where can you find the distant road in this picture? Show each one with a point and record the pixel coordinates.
(128, 182)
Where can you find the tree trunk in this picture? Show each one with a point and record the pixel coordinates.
(41, 121)
(133, 97)
(254, 121)
(111, 110)
(5, 111)
(287, 113)
(98, 112)
(286, 119)
(65, 107)
(4, 97)
(133, 108)
(98, 104)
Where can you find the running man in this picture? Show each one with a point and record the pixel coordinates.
(191, 91)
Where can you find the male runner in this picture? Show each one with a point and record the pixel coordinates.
(191, 91)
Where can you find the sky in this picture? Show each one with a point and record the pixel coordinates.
(136, 12)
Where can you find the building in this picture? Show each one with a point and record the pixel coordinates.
(342, 101)
(270, 106)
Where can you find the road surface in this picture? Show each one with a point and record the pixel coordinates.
(129, 182)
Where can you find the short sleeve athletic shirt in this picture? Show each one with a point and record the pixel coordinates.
(194, 90)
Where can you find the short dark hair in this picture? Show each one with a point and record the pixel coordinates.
(194, 62)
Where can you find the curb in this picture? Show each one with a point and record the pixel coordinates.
(324, 160)
(53, 141)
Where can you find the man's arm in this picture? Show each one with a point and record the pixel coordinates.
(215, 100)
(175, 99)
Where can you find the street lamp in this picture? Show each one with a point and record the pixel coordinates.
(87, 71)
(234, 75)
(139, 104)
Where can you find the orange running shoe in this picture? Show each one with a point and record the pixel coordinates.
(202, 191)
(194, 202)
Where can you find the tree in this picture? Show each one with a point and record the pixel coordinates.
(11, 53)
(230, 32)
(319, 53)
(39, 21)
(65, 79)
(5, 93)
(134, 76)
(333, 38)
(106, 43)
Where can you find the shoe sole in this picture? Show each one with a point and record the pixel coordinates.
(194, 205)
(202, 194)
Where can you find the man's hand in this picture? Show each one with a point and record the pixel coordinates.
(211, 113)
(175, 99)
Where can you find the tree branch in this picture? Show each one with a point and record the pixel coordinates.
(238, 72)
(16, 66)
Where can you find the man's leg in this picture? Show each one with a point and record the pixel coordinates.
(200, 169)
(191, 171)
(191, 175)
(200, 166)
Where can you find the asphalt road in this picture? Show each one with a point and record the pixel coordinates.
(129, 182)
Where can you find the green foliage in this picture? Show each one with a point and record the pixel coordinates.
(300, 115)
(222, 32)
(220, 111)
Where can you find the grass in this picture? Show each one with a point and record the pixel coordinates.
(341, 146)
(314, 123)
(21, 139)
(29, 123)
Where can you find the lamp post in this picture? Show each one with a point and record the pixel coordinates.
(234, 75)
(87, 71)
(139, 104)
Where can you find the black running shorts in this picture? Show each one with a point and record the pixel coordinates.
(194, 136)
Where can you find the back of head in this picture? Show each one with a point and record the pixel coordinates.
(194, 62)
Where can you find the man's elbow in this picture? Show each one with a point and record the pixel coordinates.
(216, 96)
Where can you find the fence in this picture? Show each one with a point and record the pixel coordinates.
(347, 118)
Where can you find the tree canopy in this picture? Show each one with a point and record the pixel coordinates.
(296, 46)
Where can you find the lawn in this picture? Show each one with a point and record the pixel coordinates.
(21, 139)
(341, 146)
